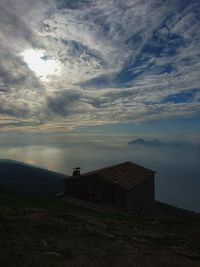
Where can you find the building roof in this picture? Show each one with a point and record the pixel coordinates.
(126, 175)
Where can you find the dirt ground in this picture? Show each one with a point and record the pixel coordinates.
(61, 234)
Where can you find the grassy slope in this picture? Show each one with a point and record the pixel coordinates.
(38, 232)
(30, 180)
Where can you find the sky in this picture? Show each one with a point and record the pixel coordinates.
(65, 64)
(84, 75)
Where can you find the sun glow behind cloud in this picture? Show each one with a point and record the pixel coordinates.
(39, 63)
(65, 64)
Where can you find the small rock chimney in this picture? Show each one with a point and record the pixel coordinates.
(76, 171)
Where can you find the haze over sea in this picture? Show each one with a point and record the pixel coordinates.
(176, 162)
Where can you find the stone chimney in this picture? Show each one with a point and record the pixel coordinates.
(76, 171)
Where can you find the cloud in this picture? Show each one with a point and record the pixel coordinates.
(64, 103)
(120, 61)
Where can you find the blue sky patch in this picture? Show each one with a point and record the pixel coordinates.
(183, 97)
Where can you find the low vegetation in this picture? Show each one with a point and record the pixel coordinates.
(41, 232)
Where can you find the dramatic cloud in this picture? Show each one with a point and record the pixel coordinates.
(114, 61)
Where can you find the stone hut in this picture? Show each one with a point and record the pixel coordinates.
(127, 185)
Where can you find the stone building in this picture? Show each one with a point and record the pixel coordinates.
(127, 185)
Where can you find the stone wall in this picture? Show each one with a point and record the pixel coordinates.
(142, 196)
(95, 189)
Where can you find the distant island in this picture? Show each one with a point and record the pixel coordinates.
(170, 144)
(143, 142)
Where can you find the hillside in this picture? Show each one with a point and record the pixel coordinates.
(37, 232)
(30, 180)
